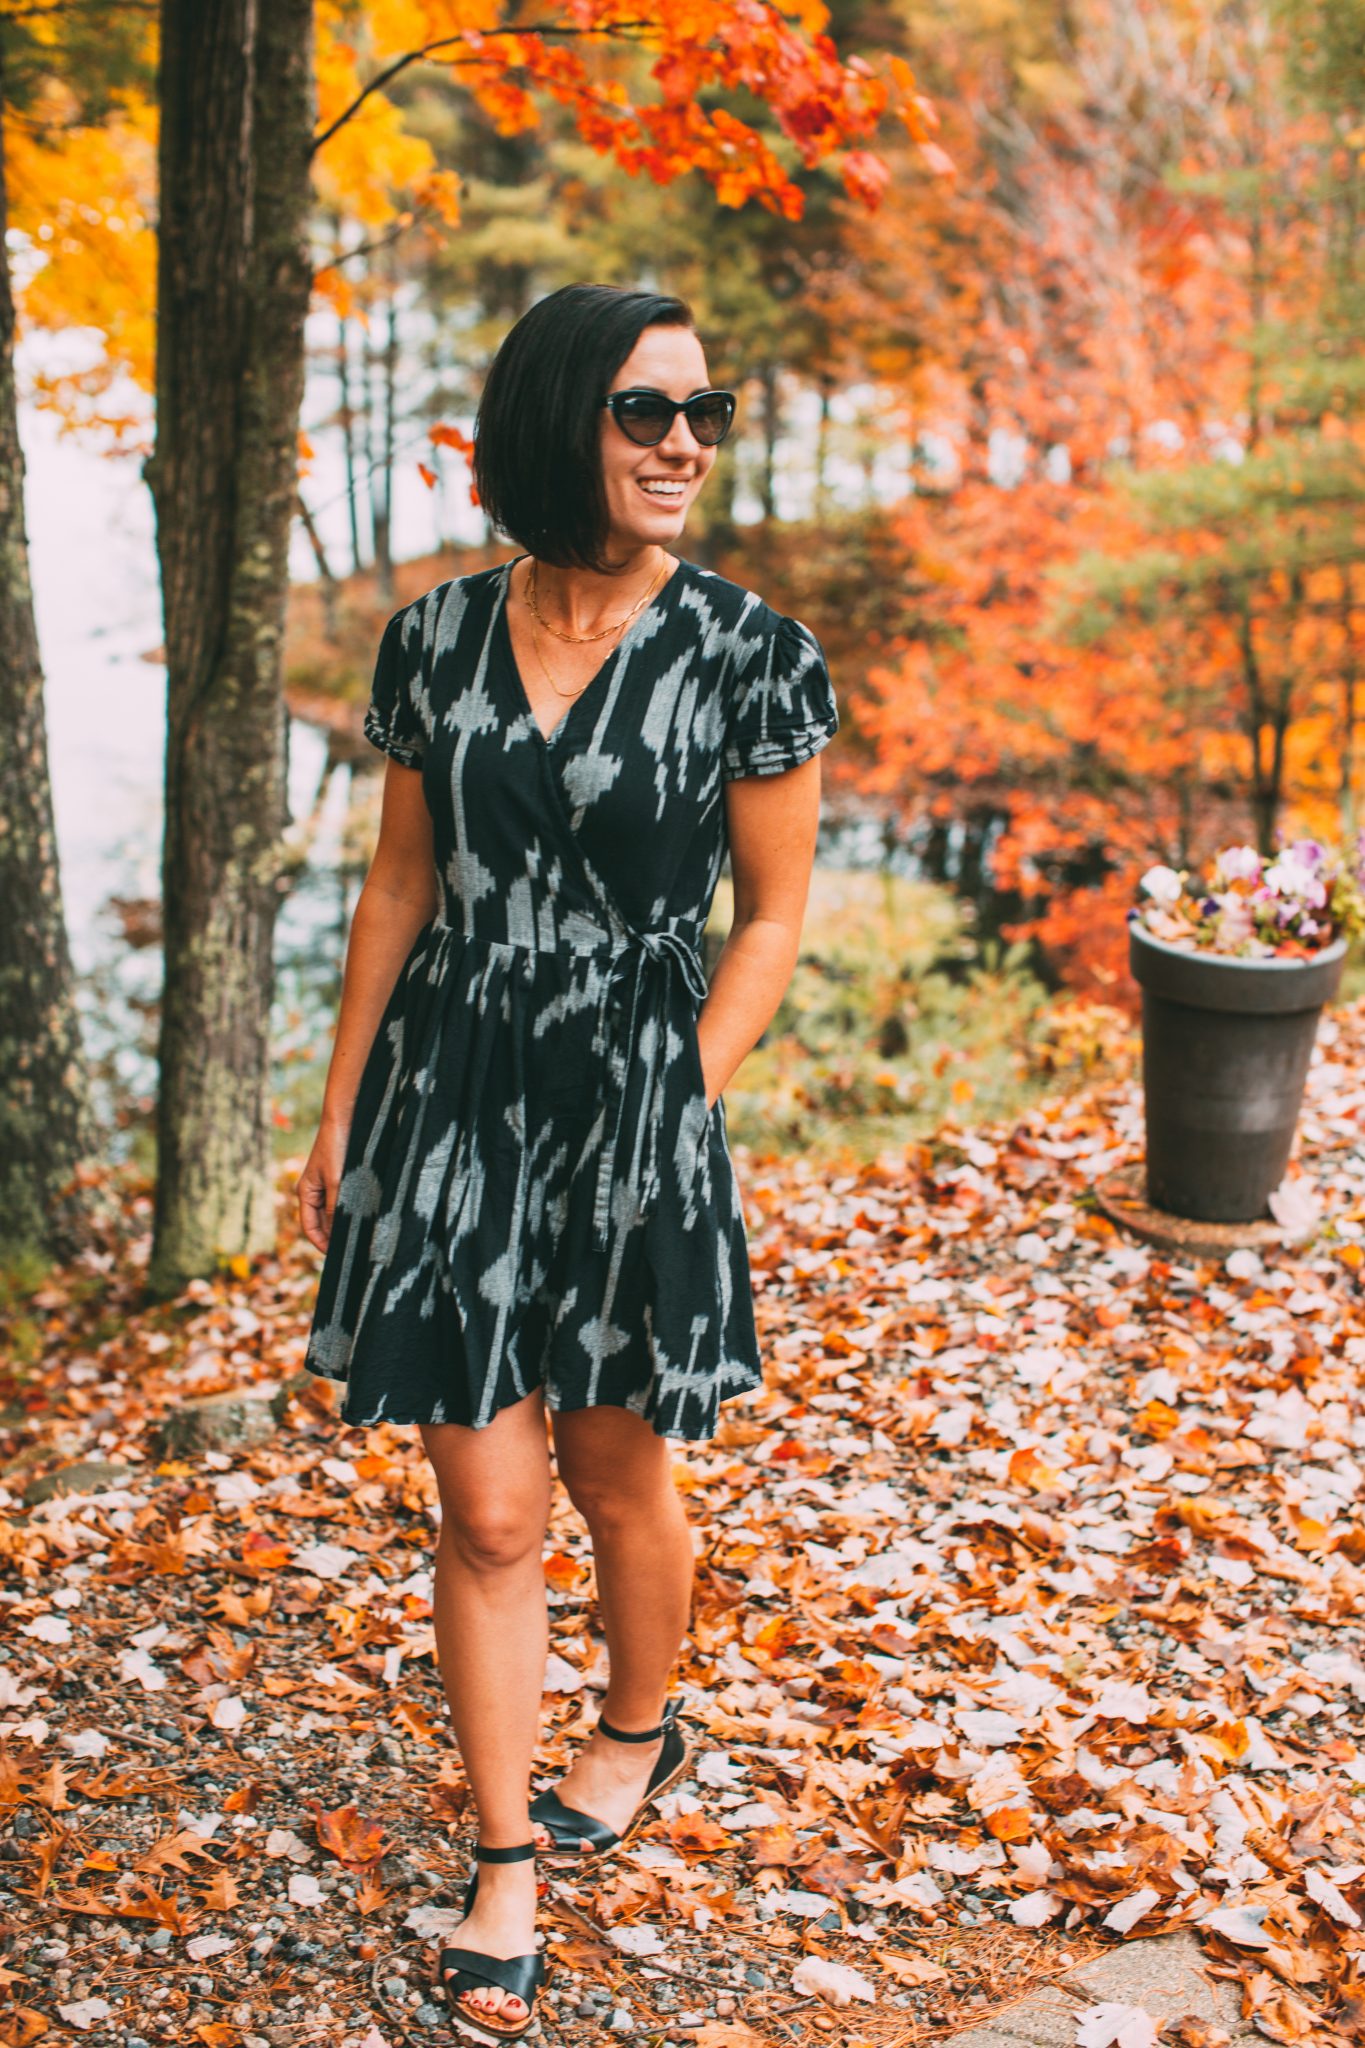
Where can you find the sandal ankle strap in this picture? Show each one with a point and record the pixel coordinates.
(638, 1734)
(522, 1853)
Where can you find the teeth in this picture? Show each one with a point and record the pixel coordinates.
(661, 490)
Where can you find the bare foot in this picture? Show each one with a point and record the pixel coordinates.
(502, 1923)
(607, 1780)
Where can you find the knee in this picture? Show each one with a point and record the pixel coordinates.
(491, 1538)
(610, 1510)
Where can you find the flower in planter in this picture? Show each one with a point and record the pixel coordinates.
(1288, 906)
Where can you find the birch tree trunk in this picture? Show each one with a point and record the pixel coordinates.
(233, 287)
(46, 1127)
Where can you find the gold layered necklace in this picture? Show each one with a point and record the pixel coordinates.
(578, 639)
(583, 639)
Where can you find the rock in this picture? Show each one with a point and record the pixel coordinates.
(300, 1382)
(430, 2016)
(159, 1938)
(92, 1475)
(224, 1422)
(1164, 1975)
(621, 2021)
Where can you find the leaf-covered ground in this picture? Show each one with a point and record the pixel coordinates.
(1029, 1618)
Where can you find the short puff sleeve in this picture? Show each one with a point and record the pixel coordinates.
(782, 708)
(398, 717)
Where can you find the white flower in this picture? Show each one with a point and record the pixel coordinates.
(1236, 922)
(1290, 875)
(1163, 884)
(1236, 864)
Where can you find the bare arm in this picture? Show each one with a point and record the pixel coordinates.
(772, 823)
(399, 896)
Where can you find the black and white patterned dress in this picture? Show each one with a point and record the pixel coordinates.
(534, 1191)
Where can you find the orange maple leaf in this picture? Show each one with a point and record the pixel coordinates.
(692, 1834)
(343, 1834)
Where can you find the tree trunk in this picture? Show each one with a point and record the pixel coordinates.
(233, 286)
(822, 492)
(347, 415)
(46, 1125)
(383, 500)
(767, 488)
(327, 577)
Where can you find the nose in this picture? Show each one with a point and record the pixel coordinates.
(680, 441)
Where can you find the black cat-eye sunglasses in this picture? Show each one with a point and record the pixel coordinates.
(645, 416)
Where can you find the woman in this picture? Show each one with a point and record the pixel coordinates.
(521, 1182)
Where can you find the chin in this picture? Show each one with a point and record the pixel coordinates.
(658, 533)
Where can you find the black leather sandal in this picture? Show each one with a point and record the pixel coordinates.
(569, 1828)
(471, 1970)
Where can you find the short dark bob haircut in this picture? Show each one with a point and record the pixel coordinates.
(537, 437)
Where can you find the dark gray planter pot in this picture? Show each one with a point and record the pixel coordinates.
(1225, 1051)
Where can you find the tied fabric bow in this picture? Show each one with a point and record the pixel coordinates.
(656, 955)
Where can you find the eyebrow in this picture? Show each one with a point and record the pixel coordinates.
(657, 391)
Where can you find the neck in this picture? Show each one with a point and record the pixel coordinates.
(583, 599)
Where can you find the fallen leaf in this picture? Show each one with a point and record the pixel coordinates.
(84, 2012)
(353, 1841)
(911, 1969)
(692, 1834)
(836, 1983)
(22, 2025)
(417, 1721)
(1325, 1894)
(1111, 2025)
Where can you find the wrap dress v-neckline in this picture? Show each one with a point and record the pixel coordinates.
(535, 1192)
(508, 653)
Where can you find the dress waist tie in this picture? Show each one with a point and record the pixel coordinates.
(656, 955)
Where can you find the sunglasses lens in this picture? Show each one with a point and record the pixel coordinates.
(643, 418)
(709, 419)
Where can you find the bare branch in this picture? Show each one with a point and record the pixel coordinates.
(391, 71)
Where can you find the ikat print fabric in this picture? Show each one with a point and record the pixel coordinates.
(534, 1192)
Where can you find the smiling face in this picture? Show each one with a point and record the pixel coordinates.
(649, 490)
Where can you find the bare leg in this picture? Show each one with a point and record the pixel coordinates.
(619, 1476)
(492, 1638)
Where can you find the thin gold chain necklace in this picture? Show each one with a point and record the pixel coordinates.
(540, 657)
(585, 639)
(535, 642)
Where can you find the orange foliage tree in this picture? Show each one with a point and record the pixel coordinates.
(1118, 347)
